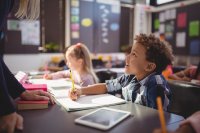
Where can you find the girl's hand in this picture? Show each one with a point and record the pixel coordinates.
(74, 95)
(37, 95)
(186, 79)
(47, 76)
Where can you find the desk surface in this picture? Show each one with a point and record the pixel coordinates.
(56, 120)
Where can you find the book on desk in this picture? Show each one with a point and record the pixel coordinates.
(30, 87)
(22, 77)
(27, 105)
(59, 89)
(84, 102)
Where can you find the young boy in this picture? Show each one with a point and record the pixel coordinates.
(143, 81)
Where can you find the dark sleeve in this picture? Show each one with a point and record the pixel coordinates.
(9, 88)
(153, 93)
(5, 8)
(14, 87)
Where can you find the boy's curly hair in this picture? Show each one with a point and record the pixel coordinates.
(157, 51)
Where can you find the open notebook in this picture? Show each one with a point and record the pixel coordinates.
(84, 102)
(59, 88)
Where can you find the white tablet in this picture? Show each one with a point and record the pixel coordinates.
(103, 118)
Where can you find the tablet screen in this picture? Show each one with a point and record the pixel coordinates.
(103, 118)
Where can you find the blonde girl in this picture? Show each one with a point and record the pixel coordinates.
(79, 62)
(29, 9)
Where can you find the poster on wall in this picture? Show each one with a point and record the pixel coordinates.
(169, 30)
(195, 47)
(13, 25)
(194, 28)
(107, 37)
(162, 28)
(75, 19)
(181, 20)
(183, 31)
(30, 32)
(162, 17)
(81, 22)
(181, 39)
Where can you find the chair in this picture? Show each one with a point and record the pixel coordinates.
(96, 63)
(185, 98)
(106, 75)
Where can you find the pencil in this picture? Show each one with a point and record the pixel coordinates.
(72, 80)
(161, 115)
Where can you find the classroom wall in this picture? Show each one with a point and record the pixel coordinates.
(184, 60)
(31, 62)
(27, 62)
(180, 27)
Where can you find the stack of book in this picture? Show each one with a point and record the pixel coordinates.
(25, 105)
(29, 86)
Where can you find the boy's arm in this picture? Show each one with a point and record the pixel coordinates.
(113, 85)
(90, 90)
(94, 89)
(101, 88)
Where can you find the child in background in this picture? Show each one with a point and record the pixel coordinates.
(167, 72)
(79, 62)
(189, 74)
(143, 81)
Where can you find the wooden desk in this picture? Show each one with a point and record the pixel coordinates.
(56, 120)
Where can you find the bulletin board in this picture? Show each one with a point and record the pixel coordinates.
(21, 36)
(97, 27)
(181, 28)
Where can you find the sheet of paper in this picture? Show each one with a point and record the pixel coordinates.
(30, 31)
(162, 28)
(162, 17)
(52, 83)
(91, 101)
(59, 92)
(180, 39)
(173, 13)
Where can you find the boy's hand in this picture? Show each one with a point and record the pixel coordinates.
(47, 76)
(74, 95)
(9, 122)
(37, 95)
